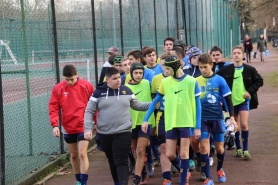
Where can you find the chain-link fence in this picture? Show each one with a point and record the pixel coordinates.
(28, 60)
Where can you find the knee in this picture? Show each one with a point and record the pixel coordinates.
(219, 149)
(170, 155)
(140, 151)
(83, 155)
(74, 156)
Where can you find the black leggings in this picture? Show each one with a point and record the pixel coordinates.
(116, 148)
(248, 55)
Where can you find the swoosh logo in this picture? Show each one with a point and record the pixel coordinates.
(138, 93)
(237, 77)
(176, 92)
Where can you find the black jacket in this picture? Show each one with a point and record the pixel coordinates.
(252, 81)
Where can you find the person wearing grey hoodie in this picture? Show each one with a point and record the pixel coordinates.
(262, 47)
(113, 101)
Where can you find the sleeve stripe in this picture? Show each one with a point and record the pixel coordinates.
(227, 94)
(198, 94)
(93, 99)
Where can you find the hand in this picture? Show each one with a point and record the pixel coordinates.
(95, 129)
(154, 131)
(88, 135)
(233, 122)
(197, 133)
(246, 95)
(144, 127)
(157, 105)
(56, 132)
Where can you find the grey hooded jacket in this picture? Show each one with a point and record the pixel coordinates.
(261, 45)
(113, 106)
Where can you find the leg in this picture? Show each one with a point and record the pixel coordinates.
(73, 150)
(244, 115)
(106, 144)
(84, 161)
(184, 154)
(219, 145)
(204, 157)
(121, 147)
(142, 144)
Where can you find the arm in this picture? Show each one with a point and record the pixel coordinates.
(102, 74)
(231, 111)
(88, 116)
(257, 81)
(137, 105)
(198, 112)
(54, 109)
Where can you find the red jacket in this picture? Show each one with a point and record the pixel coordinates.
(72, 100)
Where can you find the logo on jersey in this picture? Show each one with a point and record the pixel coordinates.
(203, 88)
(138, 93)
(176, 92)
(66, 94)
(124, 92)
(211, 98)
(216, 89)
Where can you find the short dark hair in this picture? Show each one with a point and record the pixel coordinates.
(170, 39)
(111, 59)
(148, 51)
(205, 58)
(178, 51)
(137, 54)
(215, 48)
(110, 71)
(179, 43)
(144, 48)
(165, 55)
(69, 70)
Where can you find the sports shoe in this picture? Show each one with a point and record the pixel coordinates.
(208, 181)
(203, 176)
(150, 169)
(156, 162)
(78, 183)
(239, 153)
(231, 147)
(211, 161)
(246, 155)
(174, 170)
(221, 175)
(135, 182)
(191, 165)
(167, 182)
(131, 166)
(144, 179)
(198, 165)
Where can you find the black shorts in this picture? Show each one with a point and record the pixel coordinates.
(74, 138)
(137, 132)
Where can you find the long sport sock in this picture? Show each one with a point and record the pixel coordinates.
(184, 170)
(154, 143)
(77, 177)
(220, 160)
(138, 178)
(176, 163)
(205, 164)
(245, 135)
(167, 175)
(237, 141)
(84, 179)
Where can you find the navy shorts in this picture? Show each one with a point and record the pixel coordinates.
(241, 107)
(215, 127)
(74, 138)
(137, 132)
(177, 133)
(161, 125)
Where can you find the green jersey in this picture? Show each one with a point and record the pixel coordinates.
(238, 87)
(142, 91)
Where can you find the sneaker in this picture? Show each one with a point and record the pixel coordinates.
(144, 179)
(203, 176)
(210, 161)
(221, 175)
(231, 147)
(78, 183)
(239, 153)
(246, 155)
(198, 165)
(131, 166)
(150, 169)
(191, 165)
(174, 170)
(135, 182)
(156, 162)
(167, 182)
(208, 181)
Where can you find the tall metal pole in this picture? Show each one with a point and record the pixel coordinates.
(121, 26)
(94, 38)
(27, 78)
(177, 20)
(2, 136)
(155, 27)
(167, 13)
(184, 20)
(139, 19)
(114, 23)
(56, 62)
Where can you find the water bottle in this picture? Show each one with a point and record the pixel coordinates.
(248, 103)
(266, 53)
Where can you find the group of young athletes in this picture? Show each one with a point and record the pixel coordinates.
(150, 111)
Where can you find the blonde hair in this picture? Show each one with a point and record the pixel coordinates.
(240, 48)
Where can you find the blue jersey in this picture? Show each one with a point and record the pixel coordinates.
(148, 75)
(213, 89)
(156, 70)
(185, 59)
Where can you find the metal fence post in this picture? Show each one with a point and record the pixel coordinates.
(56, 62)
(139, 19)
(121, 27)
(155, 29)
(2, 135)
(95, 39)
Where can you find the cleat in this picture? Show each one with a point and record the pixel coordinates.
(167, 182)
(208, 181)
(239, 153)
(221, 175)
(156, 162)
(246, 155)
(203, 176)
(191, 165)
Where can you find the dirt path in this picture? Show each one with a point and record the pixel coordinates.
(263, 143)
